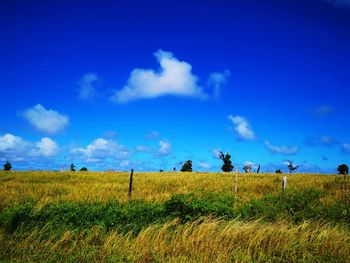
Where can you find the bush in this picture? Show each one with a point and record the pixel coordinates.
(84, 169)
(187, 166)
(7, 166)
(343, 169)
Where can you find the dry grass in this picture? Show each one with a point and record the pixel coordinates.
(50, 187)
(201, 241)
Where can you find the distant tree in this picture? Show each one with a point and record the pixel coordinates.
(258, 170)
(7, 166)
(72, 167)
(291, 166)
(278, 171)
(174, 169)
(343, 169)
(247, 168)
(187, 166)
(226, 158)
(84, 169)
(161, 170)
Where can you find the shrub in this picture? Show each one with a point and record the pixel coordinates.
(343, 169)
(7, 166)
(187, 166)
(84, 169)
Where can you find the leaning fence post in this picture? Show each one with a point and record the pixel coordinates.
(130, 184)
(236, 183)
(284, 184)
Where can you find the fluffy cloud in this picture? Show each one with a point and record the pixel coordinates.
(46, 147)
(242, 128)
(282, 149)
(101, 149)
(164, 148)
(87, 90)
(217, 80)
(14, 148)
(174, 78)
(47, 121)
(143, 149)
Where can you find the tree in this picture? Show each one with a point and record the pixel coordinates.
(84, 169)
(343, 169)
(278, 171)
(226, 158)
(247, 168)
(291, 166)
(7, 166)
(72, 167)
(257, 171)
(187, 166)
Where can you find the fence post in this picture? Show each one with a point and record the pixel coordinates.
(236, 183)
(284, 184)
(130, 184)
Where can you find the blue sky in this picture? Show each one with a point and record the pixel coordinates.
(150, 84)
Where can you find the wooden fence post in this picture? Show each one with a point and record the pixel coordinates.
(284, 184)
(130, 184)
(236, 183)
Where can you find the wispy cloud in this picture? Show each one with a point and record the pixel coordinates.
(322, 140)
(339, 3)
(174, 78)
(322, 111)
(164, 148)
(47, 121)
(152, 135)
(282, 149)
(87, 89)
(345, 148)
(242, 127)
(217, 80)
(204, 165)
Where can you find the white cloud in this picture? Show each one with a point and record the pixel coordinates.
(124, 163)
(217, 80)
(144, 149)
(204, 165)
(87, 89)
(14, 148)
(101, 149)
(47, 121)
(46, 147)
(242, 128)
(174, 78)
(164, 148)
(282, 149)
(216, 153)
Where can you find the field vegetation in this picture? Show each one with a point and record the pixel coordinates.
(173, 217)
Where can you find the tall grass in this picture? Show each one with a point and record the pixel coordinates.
(173, 217)
(208, 240)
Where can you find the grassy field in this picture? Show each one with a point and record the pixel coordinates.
(173, 217)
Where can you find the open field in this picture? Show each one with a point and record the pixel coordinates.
(173, 217)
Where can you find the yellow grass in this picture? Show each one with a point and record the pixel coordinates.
(200, 241)
(50, 187)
